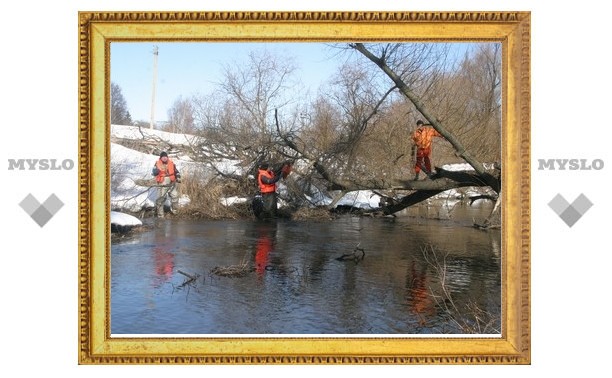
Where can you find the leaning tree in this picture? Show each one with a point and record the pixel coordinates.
(355, 134)
(463, 104)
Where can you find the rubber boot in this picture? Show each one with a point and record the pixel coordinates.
(174, 207)
(159, 210)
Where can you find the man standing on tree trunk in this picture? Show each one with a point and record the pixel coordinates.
(422, 138)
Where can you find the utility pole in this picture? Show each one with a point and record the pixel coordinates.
(155, 54)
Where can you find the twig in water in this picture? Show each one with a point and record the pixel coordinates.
(470, 318)
(357, 255)
(191, 278)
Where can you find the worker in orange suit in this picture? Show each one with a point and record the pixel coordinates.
(267, 177)
(422, 138)
(167, 176)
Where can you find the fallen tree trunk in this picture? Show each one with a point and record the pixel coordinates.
(409, 200)
(443, 180)
(380, 61)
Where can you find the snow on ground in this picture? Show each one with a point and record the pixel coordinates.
(464, 166)
(135, 132)
(123, 219)
(229, 201)
(362, 199)
(129, 166)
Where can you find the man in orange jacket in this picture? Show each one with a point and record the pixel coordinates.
(422, 138)
(267, 177)
(166, 175)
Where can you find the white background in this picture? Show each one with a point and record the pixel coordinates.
(570, 266)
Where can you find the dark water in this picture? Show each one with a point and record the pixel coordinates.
(298, 286)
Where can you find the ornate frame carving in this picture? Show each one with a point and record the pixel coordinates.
(97, 29)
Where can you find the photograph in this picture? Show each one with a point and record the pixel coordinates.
(304, 187)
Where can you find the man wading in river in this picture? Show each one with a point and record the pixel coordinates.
(267, 178)
(167, 176)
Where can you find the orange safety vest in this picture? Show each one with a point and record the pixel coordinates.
(165, 170)
(423, 136)
(263, 187)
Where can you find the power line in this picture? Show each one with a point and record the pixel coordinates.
(155, 54)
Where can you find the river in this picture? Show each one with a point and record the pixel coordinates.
(405, 275)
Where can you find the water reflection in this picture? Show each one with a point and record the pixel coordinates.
(297, 285)
(264, 246)
(418, 296)
(162, 257)
(164, 265)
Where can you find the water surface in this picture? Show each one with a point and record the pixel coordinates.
(417, 276)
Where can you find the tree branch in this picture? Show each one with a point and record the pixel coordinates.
(457, 145)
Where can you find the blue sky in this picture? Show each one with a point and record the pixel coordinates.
(187, 68)
(184, 69)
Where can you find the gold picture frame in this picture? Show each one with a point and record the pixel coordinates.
(98, 29)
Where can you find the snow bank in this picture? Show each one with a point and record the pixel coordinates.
(229, 201)
(122, 219)
(129, 166)
(363, 199)
(464, 166)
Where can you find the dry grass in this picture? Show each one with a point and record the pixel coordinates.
(206, 199)
(470, 318)
(239, 270)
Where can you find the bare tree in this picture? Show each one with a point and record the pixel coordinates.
(479, 80)
(181, 116)
(237, 119)
(257, 88)
(382, 61)
(355, 134)
(367, 118)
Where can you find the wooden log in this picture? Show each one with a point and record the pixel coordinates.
(149, 183)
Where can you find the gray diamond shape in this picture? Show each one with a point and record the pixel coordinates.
(558, 204)
(570, 216)
(41, 213)
(570, 213)
(582, 204)
(41, 216)
(29, 204)
(53, 204)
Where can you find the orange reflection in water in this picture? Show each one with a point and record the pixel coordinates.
(263, 247)
(420, 301)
